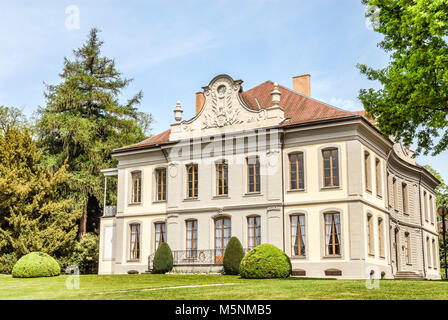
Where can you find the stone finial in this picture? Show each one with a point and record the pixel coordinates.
(275, 95)
(178, 112)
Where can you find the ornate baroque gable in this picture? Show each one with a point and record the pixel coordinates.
(225, 111)
(404, 153)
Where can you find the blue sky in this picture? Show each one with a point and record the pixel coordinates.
(173, 48)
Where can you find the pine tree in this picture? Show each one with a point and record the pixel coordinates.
(83, 121)
(34, 215)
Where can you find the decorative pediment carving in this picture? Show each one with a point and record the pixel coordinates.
(404, 153)
(224, 111)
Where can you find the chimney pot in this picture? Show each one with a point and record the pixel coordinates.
(302, 84)
(200, 99)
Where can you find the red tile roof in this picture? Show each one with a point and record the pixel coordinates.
(363, 114)
(298, 109)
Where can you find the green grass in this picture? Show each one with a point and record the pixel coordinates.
(149, 287)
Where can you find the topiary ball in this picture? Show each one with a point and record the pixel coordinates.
(232, 256)
(34, 265)
(264, 262)
(163, 259)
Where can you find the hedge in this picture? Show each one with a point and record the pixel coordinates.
(36, 264)
(265, 261)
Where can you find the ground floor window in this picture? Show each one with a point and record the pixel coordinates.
(160, 233)
(298, 239)
(222, 237)
(332, 234)
(192, 238)
(135, 242)
(254, 231)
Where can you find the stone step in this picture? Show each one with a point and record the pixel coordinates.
(407, 275)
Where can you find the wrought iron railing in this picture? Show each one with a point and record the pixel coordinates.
(110, 211)
(195, 257)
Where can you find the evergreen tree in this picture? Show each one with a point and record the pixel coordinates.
(83, 121)
(34, 216)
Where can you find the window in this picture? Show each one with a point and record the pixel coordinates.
(134, 247)
(332, 234)
(330, 167)
(428, 250)
(136, 186)
(431, 209)
(394, 191)
(381, 237)
(367, 171)
(425, 205)
(253, 174)
(161, 184)
(222, 179)
(296, 171)
(222, 237)
(435, 254)
(370, 235)
(404, 192)
(192, 181)
(160, 233)
(407, 238)
(192, 238)
(254, 231)
(379, 187)
(298, 235)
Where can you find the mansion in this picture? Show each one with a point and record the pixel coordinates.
(272, 165)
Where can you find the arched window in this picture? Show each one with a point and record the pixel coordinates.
(160, 233)
(332, 234)
(222, 177)
(296, 171)
(223, 232)
(394, 192)
(435, 254)
(253, 232)
(371, 244)
(134, 247)
(381, 237)
(425, 205)
(407, 238)
(136, 187)
(404, 191)
(367, 171)
(378, 181)
(298, 235)
(330, 160)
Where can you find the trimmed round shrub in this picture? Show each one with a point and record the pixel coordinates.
(34, 265)
(264, 262)
(163, 259)
(232, 256)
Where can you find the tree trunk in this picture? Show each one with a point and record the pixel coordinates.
(83, 222)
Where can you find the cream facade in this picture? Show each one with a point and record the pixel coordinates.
(272, 165)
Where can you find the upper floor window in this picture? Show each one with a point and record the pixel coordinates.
(136, 186)
(425, 205)
(192, 238)
(192, 181)
(332, 234)
(381, 237)
(222, 178)
(253, 174)
(367, 171)
(370, 234)
(160, 233)
(296, 171)
(298, 235)
(394, 192)
(404, 191)
(134, 252)
(379, 191)
(254, 231)
(161, 184)
(431, 209)
(330, 167)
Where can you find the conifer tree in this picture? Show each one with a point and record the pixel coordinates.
(83, 121)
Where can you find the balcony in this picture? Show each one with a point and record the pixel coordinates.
(197, 257)
(110, 211)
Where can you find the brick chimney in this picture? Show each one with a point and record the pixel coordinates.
(200, 99)
(302, 84)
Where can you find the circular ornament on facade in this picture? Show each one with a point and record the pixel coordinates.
(221, 90)
(173, 171)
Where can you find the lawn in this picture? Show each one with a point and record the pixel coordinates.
(213, 287)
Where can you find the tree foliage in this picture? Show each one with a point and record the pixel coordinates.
(83, 120)
(412, 104)
(441, 189)
(34, 214)
(163, 259)
(232, 256)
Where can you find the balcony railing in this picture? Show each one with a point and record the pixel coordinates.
(196, 257)
(110, 211)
